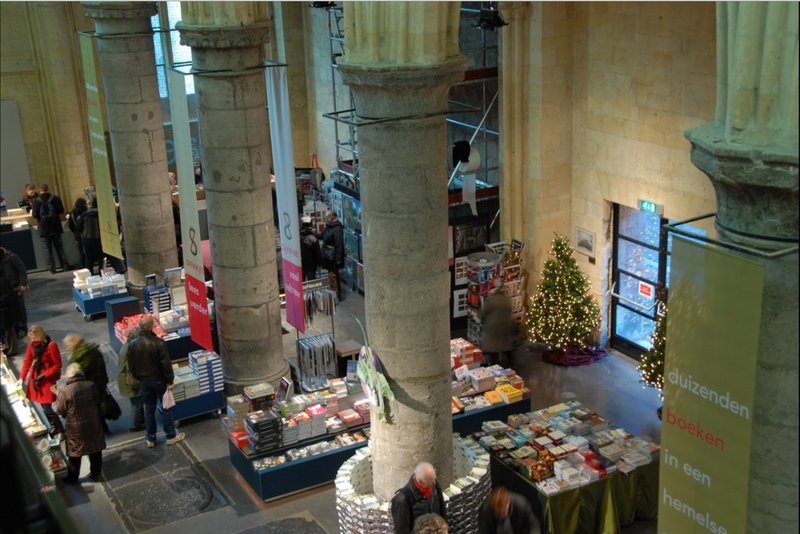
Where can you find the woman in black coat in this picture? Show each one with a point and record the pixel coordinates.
(77, 403)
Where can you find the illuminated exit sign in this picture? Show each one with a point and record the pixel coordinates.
(651, 207)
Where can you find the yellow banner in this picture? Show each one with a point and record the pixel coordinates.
(713, 330)
(109, 229)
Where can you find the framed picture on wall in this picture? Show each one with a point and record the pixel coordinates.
(584, 241)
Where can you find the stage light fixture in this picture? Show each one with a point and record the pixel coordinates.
(490, 17)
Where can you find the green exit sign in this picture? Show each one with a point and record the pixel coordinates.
(651, 207)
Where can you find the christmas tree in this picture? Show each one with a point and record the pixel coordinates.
(562, 314)
(651, 364)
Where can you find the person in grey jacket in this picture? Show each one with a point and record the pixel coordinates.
(150, 364)
(15, 284)
(505, 512)
(497, 328)
(77, 403)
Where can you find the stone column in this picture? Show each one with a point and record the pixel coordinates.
(403, 167)
(229, 79)
(403, 170)
(750, 153)
(128, 68)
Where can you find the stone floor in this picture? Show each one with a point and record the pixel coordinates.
(140, 487)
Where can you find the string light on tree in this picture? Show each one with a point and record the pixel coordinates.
(562, 313)
(651, 364)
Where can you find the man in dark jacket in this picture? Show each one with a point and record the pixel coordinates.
(505, 512)
(88, 227)
(422, 495)
(149, 362)
(333, 251)
(49, 211)
(497, 328)
(77, 403)
(12, 299)
(310, 253)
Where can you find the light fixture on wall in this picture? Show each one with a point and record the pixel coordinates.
(490, 17)
(322, 4)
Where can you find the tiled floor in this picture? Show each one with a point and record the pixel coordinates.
(611, 386)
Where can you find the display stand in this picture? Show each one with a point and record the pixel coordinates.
(207, 403)
(316, 353)
(36, 426)
(483, 270)
(92, 308)
(179, 347)
(312, 471)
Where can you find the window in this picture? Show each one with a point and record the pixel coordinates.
(172, 46)
(640, 277)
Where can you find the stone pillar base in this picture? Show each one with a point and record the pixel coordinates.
(360, 510)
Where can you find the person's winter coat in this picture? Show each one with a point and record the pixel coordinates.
(409, 503)
(48, 226)
(88, 224)
(129, 385)
(43, 361)
(334, 236)
(148, 359)
(519, 520)
(497, 326)
(77, 403)
(89, 357)
(310, 252)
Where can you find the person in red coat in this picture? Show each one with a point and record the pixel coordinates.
(42, 369)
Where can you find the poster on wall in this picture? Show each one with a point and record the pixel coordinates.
(101, 165)
(280, 127)
(713, 329)
(196, 299)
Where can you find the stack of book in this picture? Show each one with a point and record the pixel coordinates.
(185, 384)
(317, 413)
(237, 411)
(462, 352)
(362, 408)
(482, 379)
(259, 396)
(263, 430)
(349, 417)
(509, 393)
(156, 298)
(208, 366)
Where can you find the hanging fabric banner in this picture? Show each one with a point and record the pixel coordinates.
(199, 320)
(106, 207)
(280, 128)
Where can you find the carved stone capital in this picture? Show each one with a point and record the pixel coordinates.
(119, 10)
(223, 37)
(757, 189)
(382, 92)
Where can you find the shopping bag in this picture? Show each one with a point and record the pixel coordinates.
(168, 400)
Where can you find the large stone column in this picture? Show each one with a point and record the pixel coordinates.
(128, 68)
(403, 85)
(750, 153)
(229, 79)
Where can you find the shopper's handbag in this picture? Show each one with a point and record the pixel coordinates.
(110, 408)
(168, 400)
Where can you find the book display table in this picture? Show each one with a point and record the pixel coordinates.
(578, 475)
(305, 473)
(207, 403)
(92, 308)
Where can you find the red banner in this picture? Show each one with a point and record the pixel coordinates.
(199, 321)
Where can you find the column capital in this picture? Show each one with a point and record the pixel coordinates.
(223, 37)
(119, 10)
(383, 92)
(756, 187)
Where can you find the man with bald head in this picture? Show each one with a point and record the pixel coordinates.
(422, 495)
(150, 364)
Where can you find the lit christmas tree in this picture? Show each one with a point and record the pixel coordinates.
(562, 313)
(651, 364)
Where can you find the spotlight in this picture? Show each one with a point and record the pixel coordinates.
(490, 18)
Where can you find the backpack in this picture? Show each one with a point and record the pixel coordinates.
(47, 212)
